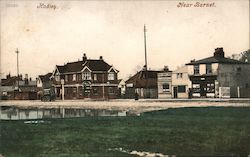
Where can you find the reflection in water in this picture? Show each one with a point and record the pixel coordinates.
(14, 113)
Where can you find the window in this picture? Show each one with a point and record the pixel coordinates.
(86, 76)
(79, 77)
(95, 77)
(111, 90)
(74, 77)
(57, 78)
(66, 77)
(181, 89)
(210, 88)
(111, 76)
(208, 68)
(165, 87)
(196, 88)
(95, 92)
(196, 69)
(179, 75)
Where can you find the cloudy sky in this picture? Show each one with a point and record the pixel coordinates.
(114, 29)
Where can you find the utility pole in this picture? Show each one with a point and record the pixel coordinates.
(146, 64)
(145, 47)
(17, 70)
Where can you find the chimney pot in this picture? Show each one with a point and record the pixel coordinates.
(101, 58)
(84, 58)
(165, 68)
(219, 53)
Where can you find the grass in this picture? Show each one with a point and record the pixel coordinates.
(208, 131)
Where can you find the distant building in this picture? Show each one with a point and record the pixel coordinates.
(88, 78)
(180, 82)
(164, 82)
(43, 82)
(122, 88)
(20, 89)
(143, 83)
(218, 76)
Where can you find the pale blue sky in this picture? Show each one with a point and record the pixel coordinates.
(114, 29)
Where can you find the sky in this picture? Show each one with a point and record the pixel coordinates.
(46, 37)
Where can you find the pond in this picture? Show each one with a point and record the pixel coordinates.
(17, 113)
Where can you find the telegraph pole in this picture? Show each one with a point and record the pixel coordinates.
(145, 47)
(17, 70)
(146, 64)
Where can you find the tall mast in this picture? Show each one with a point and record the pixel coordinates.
(145, 46)
(17, 69)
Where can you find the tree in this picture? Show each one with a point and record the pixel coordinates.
(245, 56)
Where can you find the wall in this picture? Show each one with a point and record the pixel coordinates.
(185, 70)
(233, 76)
(164, 77)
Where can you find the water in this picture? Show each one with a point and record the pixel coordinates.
(15, 113)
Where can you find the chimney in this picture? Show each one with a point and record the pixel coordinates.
(8, 76)
(101, 58)
(165, 68)
(26, 79)
(84, 58)
(219, 53)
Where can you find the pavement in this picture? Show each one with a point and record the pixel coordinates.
(141, 105)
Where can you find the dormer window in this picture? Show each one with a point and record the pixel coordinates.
(111, 76)
(196, 69)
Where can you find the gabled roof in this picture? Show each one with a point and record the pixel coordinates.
(144, 79)
(97, 65)
(46, 77)
(216, 60)
(93, 65)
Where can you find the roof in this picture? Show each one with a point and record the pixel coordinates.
(214, 59)
(9, 81)
(139, 79)
(93, 65)
(46, 77)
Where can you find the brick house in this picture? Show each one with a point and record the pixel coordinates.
(218, 76)
(88, 78)
(144, 83)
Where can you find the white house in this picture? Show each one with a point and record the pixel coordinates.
(180, 82)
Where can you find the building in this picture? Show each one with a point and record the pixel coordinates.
(164, 82)
(218, 76)
(88, 78)
(180, 82)
(143, 84)
(18, 88)
(122, 88)
(8, 86)
(43, 82)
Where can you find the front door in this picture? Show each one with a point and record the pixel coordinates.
(203, 90)
(175, 92)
